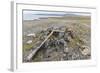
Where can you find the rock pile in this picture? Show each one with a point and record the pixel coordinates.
(57, 46)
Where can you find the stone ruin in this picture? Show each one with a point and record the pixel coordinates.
(56, 46)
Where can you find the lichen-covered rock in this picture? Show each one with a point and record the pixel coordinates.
(66, 50)
(85, 50)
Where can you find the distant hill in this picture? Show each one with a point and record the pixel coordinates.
(68, 17)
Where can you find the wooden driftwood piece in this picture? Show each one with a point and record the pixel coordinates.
(29, 57)
(33, 52)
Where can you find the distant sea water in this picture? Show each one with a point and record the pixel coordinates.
(33, 17)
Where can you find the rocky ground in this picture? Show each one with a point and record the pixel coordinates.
(63, 46)
(71, 41)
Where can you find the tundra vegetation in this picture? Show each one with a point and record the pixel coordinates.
(61, 39)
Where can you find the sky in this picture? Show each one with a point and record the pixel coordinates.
(31, 15)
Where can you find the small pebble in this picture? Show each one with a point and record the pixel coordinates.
(66, 50)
